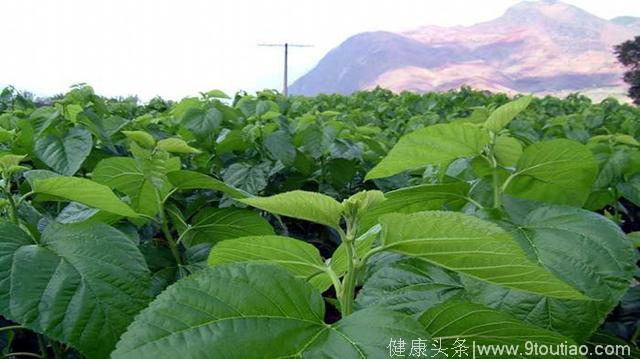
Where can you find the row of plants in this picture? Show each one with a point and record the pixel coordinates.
(269, 227)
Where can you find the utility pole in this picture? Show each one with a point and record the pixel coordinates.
(285, 87)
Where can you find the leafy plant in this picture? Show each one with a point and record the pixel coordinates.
(265, 226)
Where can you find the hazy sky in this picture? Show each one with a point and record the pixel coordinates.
(177, 48)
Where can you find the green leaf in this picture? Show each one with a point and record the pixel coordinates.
(10, 164)
(83, 191)
(12, 238)
(612, 167)
(310, 206)
(434, 145)
(202, 123)
(187, 103)
(617, 138)
(219, 310)
(82, 285)
(196, 180)
(280, 147)
(301, 259)
(557, 171)
(211, 225)
(340, 171)
(250, 178)
(630, 189)
(35, 175)
(10, 160)
(581, 248)
(65, 154)
(417, 199)
(363, 245)
(626, 140)
(315, 140)
(141, 137)
(176, 145)
(231, 140)
(7, 136)
(264, 106)
(410, 286)
(504, 114)
(635, 238)
(471, 246)
(128, 176)
(457, 319)
(507, 150)
(42, 118)
(479, 115)
(360, 203)
(217, 94)
(72, 111)
(77, 212)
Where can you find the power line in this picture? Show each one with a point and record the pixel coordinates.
(285, 87)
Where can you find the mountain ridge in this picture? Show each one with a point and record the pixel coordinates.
(539, 47)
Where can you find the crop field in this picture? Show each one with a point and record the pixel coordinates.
(375, 225)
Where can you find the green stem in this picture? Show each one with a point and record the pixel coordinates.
(508, 181)
(43, 346)
(349, 281)
(337, 285)
(496, 189)
(473, 202)
(22, 354)
(285, 230)
(57, 350)
(11, 327)
(181, 237)
(152, 219)
(23, 197)
(169, 195)
(13, 209)
(173, 245)
(371, 252)
(636, 334)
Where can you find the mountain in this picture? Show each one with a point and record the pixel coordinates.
(628, 21)
(541, 47)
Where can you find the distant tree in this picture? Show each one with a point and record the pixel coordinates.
(628, 54)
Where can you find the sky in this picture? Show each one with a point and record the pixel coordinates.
(178, 48)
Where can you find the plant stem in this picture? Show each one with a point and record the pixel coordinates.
(173, 245)
(347, 294)
(496, 189)
(508, 181)
(636, 334)
(285, 230)
(22, 354)
(473, 202)
(11, 327)
(13, 209)
(337, 285)
(349, 282)
(181, 237)
(43, 346)
(23, 197)
(57, 350)
(371, 252)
